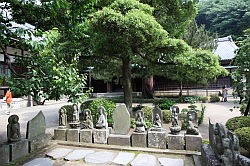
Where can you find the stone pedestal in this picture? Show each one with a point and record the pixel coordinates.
(157, 139)
(117, 139)
(193, 142)
(176, 142)
(139, 139)
(73, 135)
(5, 153)
(100, 136)
(60, 134)
(86, 135)
(19, 149)
(38, 142)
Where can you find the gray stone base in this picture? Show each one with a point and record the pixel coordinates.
(4, 153)
(18, 149)
(117, 139)
(176, 142)
(193, 142)
(60, 134)
(73, 135)
(157, 139)
(208, 157)
(139, 139)
(86, 135)
(38, 142)
(100, 136)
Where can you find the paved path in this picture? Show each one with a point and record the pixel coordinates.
(217, 112)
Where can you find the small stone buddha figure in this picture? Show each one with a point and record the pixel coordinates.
(191, 129)
(87, 119)
(139, 122)
(13, 129)
(174, 117)
(102, 120)
(62, 117)
(157, 121)
(75, 117)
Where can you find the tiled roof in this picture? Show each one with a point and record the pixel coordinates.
(226, 48)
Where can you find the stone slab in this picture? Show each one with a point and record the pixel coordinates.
(193, 142)
(78, 154)
(121, 118)
(176, 142)
(144, 159)
(100, 136)
(86, 135)
(123, 158)
(157, 139)
(102, 157)
(5, 153)
(36, 126)
(122, 140)
(19, 149)
(40, 162)
(208, 157)
(60, 134)
(139, 139)
(38, 142)
(73, 135)
(170, 162)
(59, 153)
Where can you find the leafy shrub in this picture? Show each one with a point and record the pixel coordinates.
(148, 116)
(243, 108)
(244, 137)
(107, 104)
(238, 122)
(214, 98)
(204, 99)
(191, 99)
(165, 103)
(69, 111)
(132, 123)
(85, 104)
(166, 116)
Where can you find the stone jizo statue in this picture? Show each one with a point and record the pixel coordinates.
(139, 122)
(157, 121)
(174, 117)
(175, 128)
(191, 128)
(102, 120)
(87, 119)
(13, 129)
(62, 117)
(75, 117)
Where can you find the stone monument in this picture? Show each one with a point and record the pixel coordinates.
(192, 128)
(75, 117)
(157, 136)
(139, 136)
(100, 133)
(36, 132)
(62, 117)
(13, 129)
(121, 118)
(87, 125)
(175, 128)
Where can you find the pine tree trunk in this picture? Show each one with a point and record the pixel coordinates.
(127, 87)
(180, 93)
(248, 108)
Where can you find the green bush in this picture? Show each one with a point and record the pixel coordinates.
(69, 112)
(214, 98)
(204, 99)
(191, 99)
(107, 104)
(244, 137)
(164, 103)
(243, 108)
(147, 115)
(166, 116)
(132, 123)
(238, 122)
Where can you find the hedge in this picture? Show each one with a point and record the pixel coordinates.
(244, 137)
(238, 122)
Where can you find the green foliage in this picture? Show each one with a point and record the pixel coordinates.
(107, 104)
(243, 108)
(244, 137)
(132, 123)
(69, 111)
(204, 99)
(191, 99)
(167, 118)
(214, 98)
(147, 115)
(238, 122)
(165, 103)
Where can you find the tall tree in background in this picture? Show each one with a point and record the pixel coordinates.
(227, 17)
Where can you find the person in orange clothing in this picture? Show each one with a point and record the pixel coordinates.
(8, 98)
